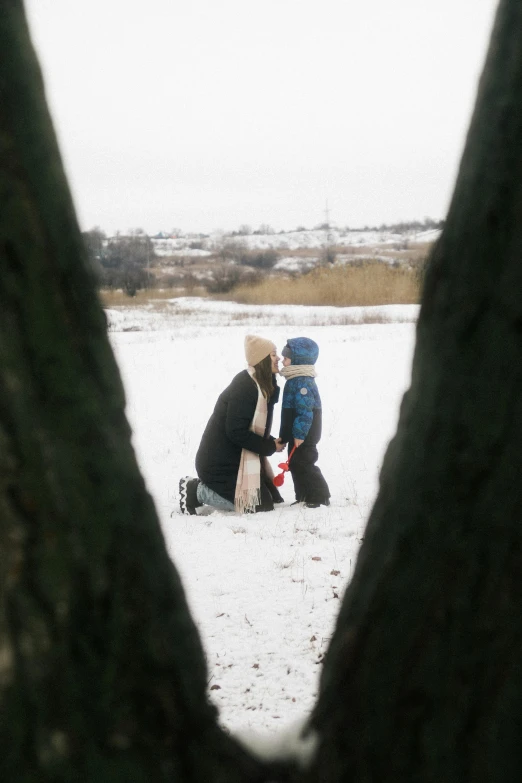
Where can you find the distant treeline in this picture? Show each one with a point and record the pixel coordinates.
(406, 226)
(128, 262)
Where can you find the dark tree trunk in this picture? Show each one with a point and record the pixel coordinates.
(428, 648)
(102, 675)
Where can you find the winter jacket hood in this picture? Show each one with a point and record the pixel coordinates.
(304, 350)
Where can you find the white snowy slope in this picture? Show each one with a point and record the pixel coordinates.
(290, 240)
(265, 589)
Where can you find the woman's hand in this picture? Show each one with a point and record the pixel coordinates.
(279, 444)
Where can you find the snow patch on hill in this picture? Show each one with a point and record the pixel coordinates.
(291, 241)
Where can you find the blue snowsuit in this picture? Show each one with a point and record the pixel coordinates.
(301, 417)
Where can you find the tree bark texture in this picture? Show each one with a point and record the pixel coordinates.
(427, 653)
(102, 674)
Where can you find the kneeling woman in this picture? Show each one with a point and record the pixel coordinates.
(234, 474)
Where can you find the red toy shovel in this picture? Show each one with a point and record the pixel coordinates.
(280, 478)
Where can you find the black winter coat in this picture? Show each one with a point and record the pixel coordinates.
(227, 433)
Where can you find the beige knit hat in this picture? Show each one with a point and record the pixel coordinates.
(256, 348)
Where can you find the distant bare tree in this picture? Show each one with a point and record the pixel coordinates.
(94, 242)
(126, 262)
(264, 228)
(260, 259)
(230, 249)
(223, 278)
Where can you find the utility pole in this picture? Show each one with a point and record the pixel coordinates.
(329, 255)
(148, 242)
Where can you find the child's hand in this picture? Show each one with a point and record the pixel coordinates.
(298, 442)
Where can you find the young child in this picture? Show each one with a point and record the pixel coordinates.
(301, 421)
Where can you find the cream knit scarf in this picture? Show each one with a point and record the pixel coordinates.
(248, 486)
(293, 370)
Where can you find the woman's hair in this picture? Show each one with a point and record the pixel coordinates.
(263, 371)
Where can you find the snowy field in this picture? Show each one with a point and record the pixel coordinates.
(265, 589)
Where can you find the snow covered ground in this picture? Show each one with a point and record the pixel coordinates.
(265, 589)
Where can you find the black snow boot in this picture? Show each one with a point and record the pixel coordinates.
(317, 505)
(188, 498)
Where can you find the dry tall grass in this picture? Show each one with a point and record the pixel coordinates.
(372, 283)
(341, 286)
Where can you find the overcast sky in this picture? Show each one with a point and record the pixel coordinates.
(208, 114)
